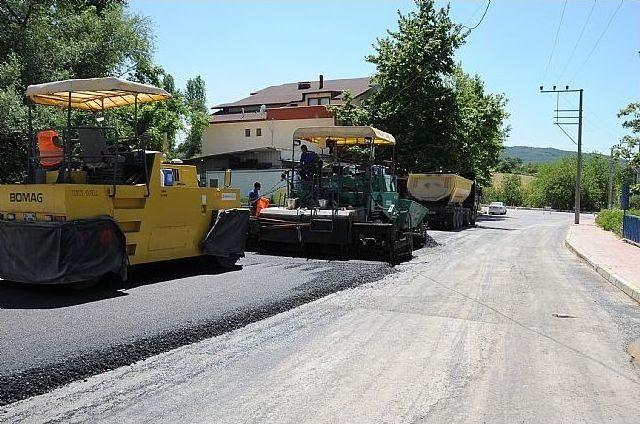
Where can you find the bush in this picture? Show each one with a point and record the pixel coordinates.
(610, 220)
(491, 194)
(554, 184)
(512, 190)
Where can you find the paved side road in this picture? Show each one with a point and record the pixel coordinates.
(502, 325)
(614, 259)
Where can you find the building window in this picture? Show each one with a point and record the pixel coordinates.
(318, 101)
(247, 132)
(258, 132)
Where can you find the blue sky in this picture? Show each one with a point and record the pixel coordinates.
(242, 46)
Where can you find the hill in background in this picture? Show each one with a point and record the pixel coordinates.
(535, 154)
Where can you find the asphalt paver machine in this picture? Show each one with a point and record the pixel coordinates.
(346, 200)
(95, 201)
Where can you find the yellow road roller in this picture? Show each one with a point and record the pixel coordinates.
(94, 202)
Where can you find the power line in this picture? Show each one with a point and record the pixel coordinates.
(481, 19)
(555, 41)
(419, 74)
(575, 47)
(606, 28)
(475, 12)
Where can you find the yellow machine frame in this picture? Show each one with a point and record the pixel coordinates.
(159, 222)
(169, 223)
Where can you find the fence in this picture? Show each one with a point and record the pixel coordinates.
(631, 228)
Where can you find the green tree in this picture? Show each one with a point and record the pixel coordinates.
(509, 165)
(630, 142)
(441, 117)
(512, 191)
(48, 40)
(415, 98)
(479, 130)
(197, 117)
(554, 184)
(349, 113)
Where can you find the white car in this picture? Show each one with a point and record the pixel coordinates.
(497, 208)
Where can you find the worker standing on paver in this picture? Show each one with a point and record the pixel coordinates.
(308, 163)
(254, 196)
(308, 158)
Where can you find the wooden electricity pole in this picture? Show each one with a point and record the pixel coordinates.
(561, 119)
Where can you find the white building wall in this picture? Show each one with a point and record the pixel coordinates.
(270, 179)
(229, 137)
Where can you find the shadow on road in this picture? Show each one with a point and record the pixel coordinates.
(484, 217)
(26, 296)
(142, 275)
(488, 227)
(493, 218)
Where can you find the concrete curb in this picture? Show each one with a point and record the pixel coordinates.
(629, 289)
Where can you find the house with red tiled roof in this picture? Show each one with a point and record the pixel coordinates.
(256, 132)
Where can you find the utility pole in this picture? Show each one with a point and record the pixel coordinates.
(561, 120)
(610, 187)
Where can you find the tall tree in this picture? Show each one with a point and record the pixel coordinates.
(415, 99)
(48, 40)
(349, 113)
(630, 142)
(197, 117)
(479, 128)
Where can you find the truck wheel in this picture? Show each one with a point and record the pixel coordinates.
(225, 262)
(450, 221)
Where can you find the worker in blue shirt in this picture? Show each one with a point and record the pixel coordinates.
(308, 158)
(254, 195)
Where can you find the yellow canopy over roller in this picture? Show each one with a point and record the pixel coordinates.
(94, 94)
(351, 136)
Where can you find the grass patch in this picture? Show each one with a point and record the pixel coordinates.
(611, 219)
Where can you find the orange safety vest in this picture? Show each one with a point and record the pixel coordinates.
(261, 203)
(50, 154)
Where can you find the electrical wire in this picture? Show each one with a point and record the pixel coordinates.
(475, 12)
(481, 18)
(575, 47)
(606, 28)
(555, 41)
(420, 73)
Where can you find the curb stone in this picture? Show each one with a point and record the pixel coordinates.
(629, 289)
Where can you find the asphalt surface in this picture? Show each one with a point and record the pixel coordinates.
(50, 336)
(499, 324)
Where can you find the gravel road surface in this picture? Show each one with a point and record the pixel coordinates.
(499, 324)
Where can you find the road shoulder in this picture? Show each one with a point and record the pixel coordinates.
(616, 261)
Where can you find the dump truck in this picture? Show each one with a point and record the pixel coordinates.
(95, 202)
(344, 199)
(452, 200)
